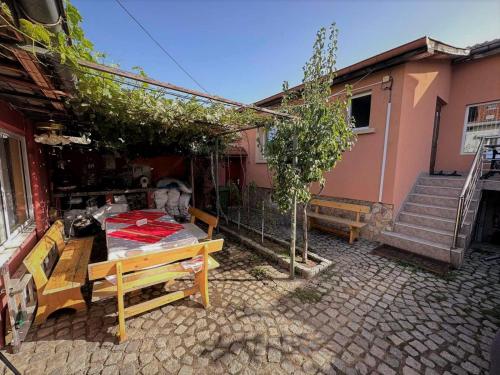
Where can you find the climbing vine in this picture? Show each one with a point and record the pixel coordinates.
(137, 117)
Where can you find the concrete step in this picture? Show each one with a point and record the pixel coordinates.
(457, 182)
(420, 246)
(444, 191)
(431, 221)
(428, 209)
(434, 200)
(439, 236)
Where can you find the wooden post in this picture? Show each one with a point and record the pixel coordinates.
(293, 231)
(217, 198)
(305, 235)
(239, 217)
(262, 222)
(193, 204)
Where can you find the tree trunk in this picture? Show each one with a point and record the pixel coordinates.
(305, 235)
(293, 231)
(293, 236)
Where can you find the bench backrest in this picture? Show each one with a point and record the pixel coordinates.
(208, 219)
(151, 259)
(357, 208)
(44, 255)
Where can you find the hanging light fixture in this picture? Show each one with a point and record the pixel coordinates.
(52, 135)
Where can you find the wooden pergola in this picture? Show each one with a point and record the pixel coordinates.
(38, 87)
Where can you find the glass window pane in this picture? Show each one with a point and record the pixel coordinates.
(3, 228)
(360, 111)
(13, 182)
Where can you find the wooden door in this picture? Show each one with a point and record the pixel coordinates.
(435, 134)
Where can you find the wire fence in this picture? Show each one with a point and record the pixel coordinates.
(252, 208)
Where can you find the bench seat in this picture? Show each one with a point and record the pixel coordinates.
(354, 225)
(104, 289)
(59, 270)
(119, 276)
(71, 269)
(338, 220)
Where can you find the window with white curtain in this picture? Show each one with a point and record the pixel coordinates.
(481, 120)
(263, 136)
(15, 205)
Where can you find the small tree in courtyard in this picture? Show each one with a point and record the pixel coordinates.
(300, 149)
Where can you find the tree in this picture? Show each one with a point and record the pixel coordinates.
(301, 149)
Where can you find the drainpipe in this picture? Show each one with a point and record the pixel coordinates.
(387, 85)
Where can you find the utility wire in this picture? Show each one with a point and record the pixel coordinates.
(160, 46)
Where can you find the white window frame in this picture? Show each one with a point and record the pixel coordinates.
(27, 186)
(260, 144)
(361, 129)
(464, 128)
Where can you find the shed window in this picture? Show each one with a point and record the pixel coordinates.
(15, 205)
(360, 110)
(263, 136)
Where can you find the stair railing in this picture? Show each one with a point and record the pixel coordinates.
(468, 191)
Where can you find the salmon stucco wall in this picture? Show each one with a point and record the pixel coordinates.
(472, 82)
(357, 175)
(424, 82)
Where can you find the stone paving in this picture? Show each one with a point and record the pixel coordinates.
(363, 315)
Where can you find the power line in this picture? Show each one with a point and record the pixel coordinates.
(159, 45)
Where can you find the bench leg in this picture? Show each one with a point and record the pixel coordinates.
(201, 279)
(122, 335)
(352, 235)
(47, 304)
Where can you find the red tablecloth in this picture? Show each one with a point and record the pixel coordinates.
(151, 232)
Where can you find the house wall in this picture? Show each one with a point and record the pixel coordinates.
(357, 175)
(424, 82)
(472, 82)
(356, 178)
(14, 122)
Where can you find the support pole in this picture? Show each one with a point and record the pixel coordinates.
(217, 197)
(239, 217)
(293, 229)
(262, 222)
(305, 234)
(192, 182)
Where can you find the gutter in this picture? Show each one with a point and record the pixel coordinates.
(43, 12)
(51, 15)
(417, 49)
(382, 60)
(489, 49)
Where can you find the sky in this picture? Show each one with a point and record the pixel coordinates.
(244, 50)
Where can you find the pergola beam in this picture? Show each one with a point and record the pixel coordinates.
(166, 85)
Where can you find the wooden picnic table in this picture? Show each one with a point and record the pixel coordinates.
(149, 247)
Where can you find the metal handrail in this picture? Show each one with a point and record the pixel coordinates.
(468, 191)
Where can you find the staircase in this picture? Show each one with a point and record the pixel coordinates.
(425, 225)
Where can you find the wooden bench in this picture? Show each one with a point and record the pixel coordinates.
(59, 270)
(208, 219)
(134, 273)
(353, 225)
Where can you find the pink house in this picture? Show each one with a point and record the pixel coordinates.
(420, 108)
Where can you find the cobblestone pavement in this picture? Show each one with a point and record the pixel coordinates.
(363, 315)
